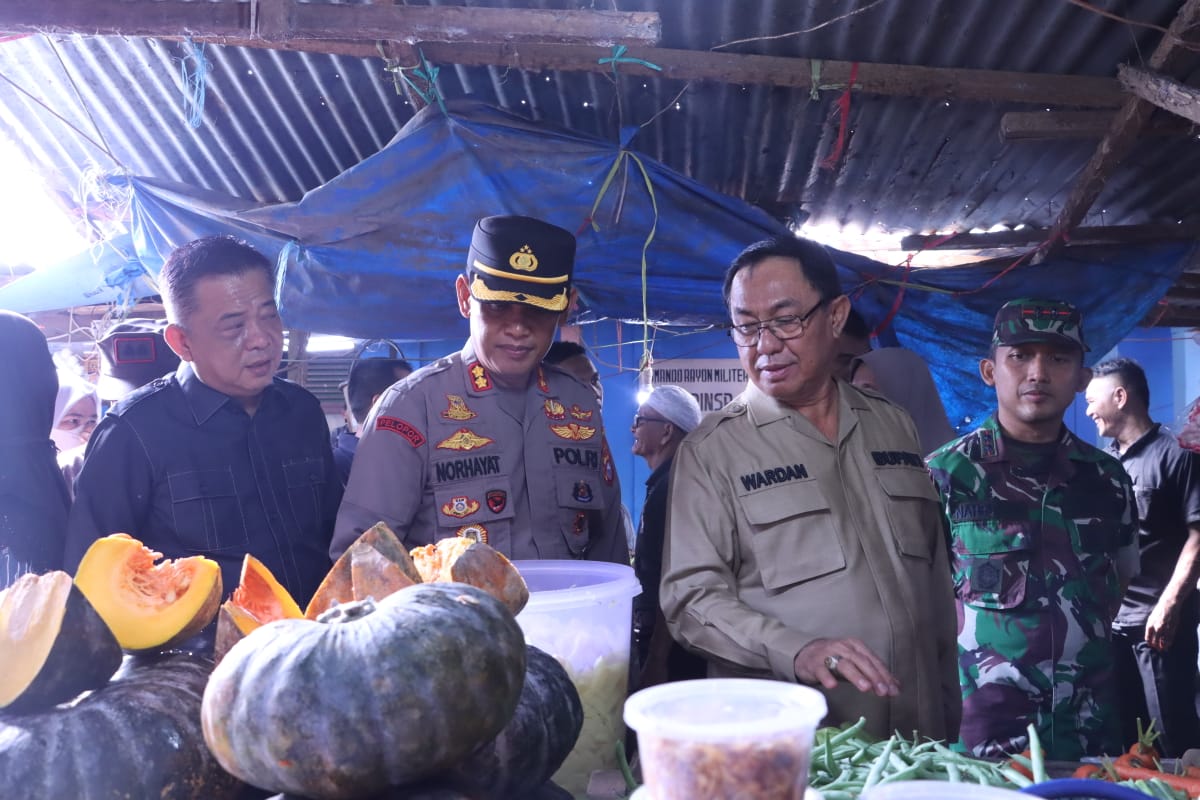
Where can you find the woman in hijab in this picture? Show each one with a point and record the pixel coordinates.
(903, 377)
(33, 494)
(76, 412)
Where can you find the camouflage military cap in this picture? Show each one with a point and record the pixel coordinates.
(1027, 320)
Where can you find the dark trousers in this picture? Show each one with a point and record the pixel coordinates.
(1159, 686)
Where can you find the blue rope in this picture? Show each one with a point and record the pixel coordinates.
(195, 82)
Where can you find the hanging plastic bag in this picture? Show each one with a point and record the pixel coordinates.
(1188, 426)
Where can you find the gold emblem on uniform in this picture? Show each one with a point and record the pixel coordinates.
(573, 431)
(545, 387)
(457, 409)
(477, 532)
(579, 413)
(554, 409)
(523, 260)
(464, 439)
(460, 507)
(479, 377)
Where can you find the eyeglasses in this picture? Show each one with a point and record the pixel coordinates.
(638, 419)
(789, 326)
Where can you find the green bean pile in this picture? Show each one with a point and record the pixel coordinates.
(846, 763)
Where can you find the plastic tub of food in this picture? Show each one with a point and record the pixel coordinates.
(725, 738)
(581, 612)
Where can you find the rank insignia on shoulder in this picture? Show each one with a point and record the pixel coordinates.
(402, 427)
(477, 532)
(987, 444)
(457, 410)
(497, 499)
(573, 431)
(554, 409)
(541, 381)
(463, 439)
(461, 506)
(579, 414)
(582, 492)
(479, 377)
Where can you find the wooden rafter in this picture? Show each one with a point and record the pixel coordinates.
(289, 20)
(1020, 126)
(1178, 98)
(528, 39)
(896, 80)
(1126, 125)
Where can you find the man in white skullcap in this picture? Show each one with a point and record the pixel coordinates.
(668, 414)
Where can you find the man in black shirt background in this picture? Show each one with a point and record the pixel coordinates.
(1154, 634)
(369, 378)
(222, 458)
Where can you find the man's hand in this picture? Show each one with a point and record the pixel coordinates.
(853, 661)
(1161, 624)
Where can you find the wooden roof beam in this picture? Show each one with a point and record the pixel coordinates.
(1171, 95)
(894, 80)
(289, 20)
(1126, 126)
(1022, 126)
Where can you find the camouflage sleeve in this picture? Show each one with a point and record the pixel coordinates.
(947, 640)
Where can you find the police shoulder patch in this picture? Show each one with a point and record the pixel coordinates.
(402, 427)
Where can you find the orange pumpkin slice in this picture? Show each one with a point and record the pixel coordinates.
(258, 599)
(148, 604)
(464, 560)
(374, 566)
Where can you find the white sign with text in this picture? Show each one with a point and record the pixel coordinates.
(713, 381)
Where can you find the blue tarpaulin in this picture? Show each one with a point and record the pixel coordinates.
(374, 252)
(110, 272)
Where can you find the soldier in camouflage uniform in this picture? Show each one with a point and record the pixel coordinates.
(1041, 530)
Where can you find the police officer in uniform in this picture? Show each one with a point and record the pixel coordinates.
(803, 537)
(489, 442)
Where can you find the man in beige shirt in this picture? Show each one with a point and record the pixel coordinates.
(804, 541)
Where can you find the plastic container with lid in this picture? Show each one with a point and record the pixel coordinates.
(581, 612)
(725, 738)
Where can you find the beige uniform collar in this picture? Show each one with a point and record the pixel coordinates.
(762, 409)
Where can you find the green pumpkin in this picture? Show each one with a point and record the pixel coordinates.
(370, 695)
(136, 737)
(534, 743)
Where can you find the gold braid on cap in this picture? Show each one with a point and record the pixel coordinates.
(480, 291)
(499, 273)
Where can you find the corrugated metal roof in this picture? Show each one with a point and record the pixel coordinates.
(278, 123)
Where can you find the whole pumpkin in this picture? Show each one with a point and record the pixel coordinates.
(534, 743)
(370, 695)
(136, 737)
(441, 790)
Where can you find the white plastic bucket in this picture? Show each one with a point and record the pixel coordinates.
(581, 612)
